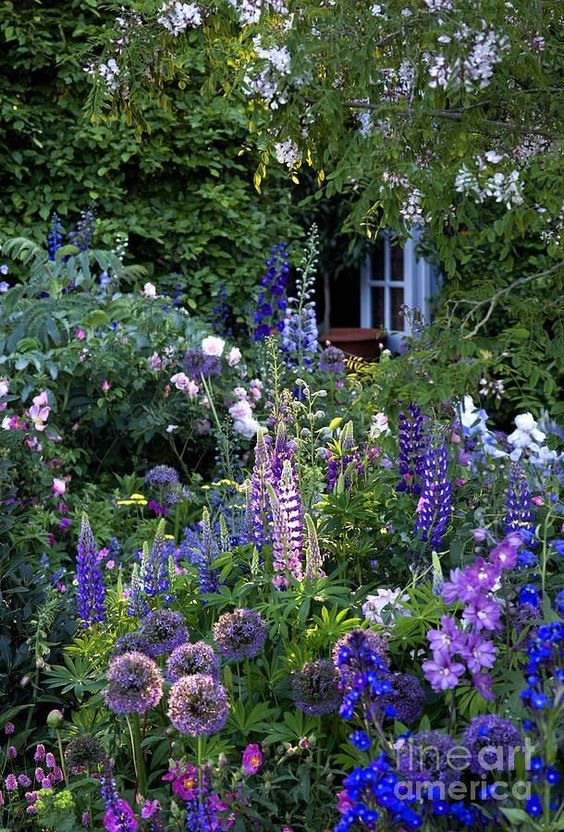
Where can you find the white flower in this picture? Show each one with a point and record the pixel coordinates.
(59, 486)
(4, 386)
(288, 153)
(472, 419)
(149, 290)
(177, 16)
(171, 428)
(493, 157)
(234, 356)
(374, 604)
(185, 384)
(379, 425)
(241, 410)
(212, 345)
(6, 423)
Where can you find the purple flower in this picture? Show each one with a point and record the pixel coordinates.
(252, 759)
(441, 672)
(198, 705)
(91, 592)
(154, 566)
(24, 781)
(435, 502)
(288, 528)
(258, 505)
(240, 634)
(519, 516)
(271, 301)
(483, 613)
(163, 630)
(130, 643)
(10, 782)
(9, 729)
(315, 687)
(492, 742)
(39, 754)
(483, 684)
(12, 752)
(478, 652)
(482, 575)
(162, 476)
(196, 363)
(84, 754)
(405, 701)
(425, 758)
(189, 659)
(448, 639)
(504, 555)
(120, 817)
(134, 684)
(332, 360)
(412, 444)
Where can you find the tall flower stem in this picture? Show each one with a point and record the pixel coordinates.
(138, 761)
(200, 752)
(62, 756)
(249, 685)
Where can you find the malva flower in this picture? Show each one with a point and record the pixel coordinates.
(134, 684)
(252, 759)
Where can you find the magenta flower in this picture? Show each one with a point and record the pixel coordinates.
(252, 759)
(441, 672)
(39, 411)
(12, 752)
(11, 782)
(184, 781)
(482, 574)
(150, 808)
(120, 818)
(505, 553)
(478, 652)
(9, 729)
(24, 781)
(483, 614)
(50, 760)
(448, 639)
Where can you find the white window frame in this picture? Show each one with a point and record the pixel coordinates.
(416, 284)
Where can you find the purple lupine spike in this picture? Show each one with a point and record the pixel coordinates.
(283, 450)
(258, 503)
(155, 566)
(314, 558)
(207, 581)
(519, 516)
(91, 592)
(119, 815)
(137, 601)
(288, 528)
(412, 447)
(435, 502)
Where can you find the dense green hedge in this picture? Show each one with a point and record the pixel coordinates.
(183, 191)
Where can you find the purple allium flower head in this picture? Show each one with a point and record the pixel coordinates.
(163, 630)
(315, 687)
(519, 516)
(134, 684)
(332, 360)
(189, 659)
(196, 363)
(240, 634)
(442, 672)
(162, 476)
(130, 643)
(412, 446)
(435, 502)
(288, 527)
(84, 754)
(198, 705)
(346, 649)
(424, 758)
(492, 742)
(91, 592)
(405, 701)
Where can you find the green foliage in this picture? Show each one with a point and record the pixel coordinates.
(182, 191)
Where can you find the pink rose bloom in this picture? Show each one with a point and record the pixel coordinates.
(234, 356)
(59, 487)
(154, 362)
(212, 345)
(252, 759)
(39, 411)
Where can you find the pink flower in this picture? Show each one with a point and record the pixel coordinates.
(59, 487)
(39, 411)
(50, 760)
(252, 759)
(185, 384)
(441, 672)
(12, 752)
(80, 334)
(538, 501)
(105, 385)
(344, 803)
(150, 808)
(39, 753)
(11, 782)
(4, 386)
(234, 356)
(9, 729)
(212, 345)
(110, 564)
(155, 362)
(184, 781)
(39, 774)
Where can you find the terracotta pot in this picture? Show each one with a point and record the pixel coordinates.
(361, 341)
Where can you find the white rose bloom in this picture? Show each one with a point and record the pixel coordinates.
(212, 345)
(149, 290)
(234, 356)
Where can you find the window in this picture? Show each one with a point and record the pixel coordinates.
(392, 277)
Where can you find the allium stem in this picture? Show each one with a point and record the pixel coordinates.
(62, 756)
(138, 761)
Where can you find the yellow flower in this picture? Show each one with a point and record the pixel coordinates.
(137, 497)
(125, 502)
(334, 423)
(383, 530)
(169, 537)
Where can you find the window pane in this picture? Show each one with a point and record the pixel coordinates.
(398, 321)
(378, 269)
(378, 307)
(397, 263)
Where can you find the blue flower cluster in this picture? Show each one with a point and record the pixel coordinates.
(412, 445)
(271, 302)
(300, 336)
(519, 515)
(435, 503)
(55, 236)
